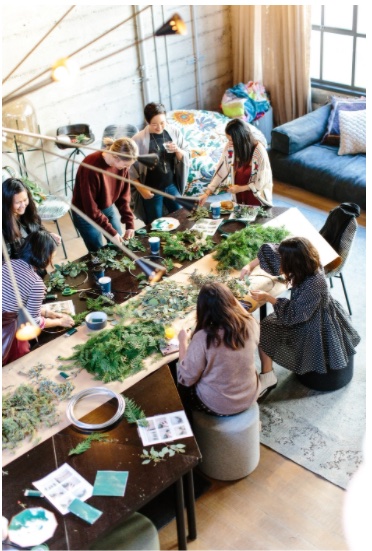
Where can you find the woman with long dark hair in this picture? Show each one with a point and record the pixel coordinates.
(310, 331)
(245, 161)
(35, 254)
(20, 216)
(169, 175)
(218, 365)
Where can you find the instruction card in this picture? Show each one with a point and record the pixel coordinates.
(62, 486)
(208, 226)
(61, 307)
(165, 428)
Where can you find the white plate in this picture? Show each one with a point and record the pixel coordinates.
(32, 526)
(165, 224)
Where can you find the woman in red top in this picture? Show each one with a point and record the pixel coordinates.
(246, 163)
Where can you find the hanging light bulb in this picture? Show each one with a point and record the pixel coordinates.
(174, 25)
(27, 327)
(20, 115)
(64, 69)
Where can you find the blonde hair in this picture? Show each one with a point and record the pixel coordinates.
(121, 145)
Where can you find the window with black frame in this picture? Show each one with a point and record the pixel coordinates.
(338, 48)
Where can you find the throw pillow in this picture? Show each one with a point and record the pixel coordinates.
(233, 109)
(352, 132)
(332, 135)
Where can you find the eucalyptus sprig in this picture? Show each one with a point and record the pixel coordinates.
(158, 456)
(70, 268)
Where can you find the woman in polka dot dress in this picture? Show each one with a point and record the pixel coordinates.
(308, 332)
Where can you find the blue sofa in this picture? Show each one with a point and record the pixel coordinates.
(298, 158)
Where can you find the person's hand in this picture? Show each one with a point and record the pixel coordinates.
(172, 147)
(66, 321)
(57, 238)
(128, 234)
(234, 189)
(117, 238)
(147, 194)
(246, 271)
(202, 199)
(182, 336)
(53, 315)
(260, 296)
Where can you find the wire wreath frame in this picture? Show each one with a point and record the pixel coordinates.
(95, 391)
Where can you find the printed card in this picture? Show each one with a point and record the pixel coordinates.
(165, 428)
(62, 486)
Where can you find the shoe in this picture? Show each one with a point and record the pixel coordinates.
(268, 381)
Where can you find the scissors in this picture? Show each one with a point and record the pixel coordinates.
(67, 291)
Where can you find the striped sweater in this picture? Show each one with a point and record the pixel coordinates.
(31, 288)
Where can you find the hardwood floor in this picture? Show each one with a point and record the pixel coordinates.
(280, 505)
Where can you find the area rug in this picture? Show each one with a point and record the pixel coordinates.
(324, 431)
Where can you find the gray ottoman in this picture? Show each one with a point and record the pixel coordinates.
(137, 532)
(230, 446)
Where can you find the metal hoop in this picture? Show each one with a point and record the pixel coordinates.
(93, 392)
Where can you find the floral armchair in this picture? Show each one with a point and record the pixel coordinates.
(205, 133)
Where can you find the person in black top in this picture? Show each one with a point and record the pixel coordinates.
(169, 175)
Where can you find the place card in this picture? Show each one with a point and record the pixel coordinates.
(110, 483)
(84, 511)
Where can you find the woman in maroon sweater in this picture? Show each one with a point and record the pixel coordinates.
(97, 195)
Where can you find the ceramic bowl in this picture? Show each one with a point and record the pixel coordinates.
(96, 320)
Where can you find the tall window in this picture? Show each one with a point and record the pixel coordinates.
(338, 48)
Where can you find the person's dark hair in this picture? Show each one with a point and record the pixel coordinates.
(243, 140)
(30, 218)
(152, 109)
(216, 309)
(299, 259)
(37, 249)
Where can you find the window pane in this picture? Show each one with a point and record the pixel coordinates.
(316, 15)
(340, 17)
(361, 63)
(362, 20)
(337, 62)
(315, 55)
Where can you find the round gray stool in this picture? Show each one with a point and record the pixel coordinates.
(137, 532)
(230, 446)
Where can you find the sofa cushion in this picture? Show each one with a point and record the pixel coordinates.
(352, 132)
(319, 169)
(302, 132)
(338, 104)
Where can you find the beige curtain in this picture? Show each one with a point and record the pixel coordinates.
(271, 44)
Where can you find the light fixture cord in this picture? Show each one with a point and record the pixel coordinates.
(36, 45)
(10, 97)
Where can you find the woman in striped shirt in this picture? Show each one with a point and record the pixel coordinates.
(35, 254)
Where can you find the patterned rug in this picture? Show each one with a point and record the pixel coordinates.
(323, 431)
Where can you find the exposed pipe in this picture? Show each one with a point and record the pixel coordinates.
(199, 91)
(142, 59)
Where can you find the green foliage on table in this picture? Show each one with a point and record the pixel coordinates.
(133, 413)
(29, 408)
(55, 281)
(38, 194)
(134, 244)
(87, 443)
(238, 287)
(106, 257)
(117, 353)
(72, 269)
(162, 303)
(241, 247)
(198, 213)
(157, 456)
(185, 245)
(99, 304)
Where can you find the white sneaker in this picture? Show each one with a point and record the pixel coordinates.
(267, 381)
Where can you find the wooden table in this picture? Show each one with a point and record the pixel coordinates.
(145, 482)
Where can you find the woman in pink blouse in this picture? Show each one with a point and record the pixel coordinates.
(218, 366)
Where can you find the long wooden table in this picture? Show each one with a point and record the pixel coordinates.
(145, 482)
(38, 460)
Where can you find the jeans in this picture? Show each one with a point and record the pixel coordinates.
(154, 207)
(92, 238)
